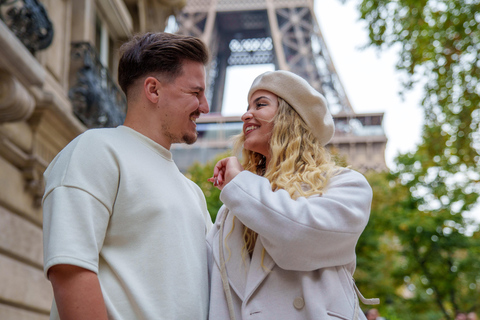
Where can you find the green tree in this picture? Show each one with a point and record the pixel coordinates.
(378, 248)
(199, 173)
(439, 45)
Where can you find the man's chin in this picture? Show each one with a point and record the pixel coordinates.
(190, 139)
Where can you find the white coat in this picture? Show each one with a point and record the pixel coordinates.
(310, 250)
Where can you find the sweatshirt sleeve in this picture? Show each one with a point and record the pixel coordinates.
(74, 226)
(307, 233)
(80, 192)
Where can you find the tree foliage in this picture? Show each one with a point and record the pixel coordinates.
(417, 262)
(434, 187)
(439, 43)
(378, 247)
(199, 173)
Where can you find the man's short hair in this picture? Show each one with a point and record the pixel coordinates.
(158, 53)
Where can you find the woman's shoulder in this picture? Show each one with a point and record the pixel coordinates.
(347, 171)
(348, 175)
(221, 215)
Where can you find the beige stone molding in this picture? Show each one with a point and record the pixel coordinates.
(18, 61)
(31, 167)
(24, 285)
(118, 17)
(48, 101)
(9, 312)
(16, 103)
(12, 153)
(153, 14)
(24, 246)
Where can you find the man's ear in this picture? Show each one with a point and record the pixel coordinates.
(151, 86)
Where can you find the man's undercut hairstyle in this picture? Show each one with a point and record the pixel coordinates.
(159, 54)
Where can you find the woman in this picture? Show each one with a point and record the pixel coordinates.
(283, 245)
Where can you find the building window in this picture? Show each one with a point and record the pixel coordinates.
(103, 43)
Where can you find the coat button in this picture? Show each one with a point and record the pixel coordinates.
(298, 303)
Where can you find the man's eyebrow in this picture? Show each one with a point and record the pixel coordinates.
(198, 88)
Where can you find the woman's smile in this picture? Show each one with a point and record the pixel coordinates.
(250, 128)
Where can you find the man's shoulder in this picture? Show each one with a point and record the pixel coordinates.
(101, 134)
(92, 153)
(95, 140)
(85, 149)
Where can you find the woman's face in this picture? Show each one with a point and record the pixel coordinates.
(257, 121)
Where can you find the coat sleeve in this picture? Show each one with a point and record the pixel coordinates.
(307, 233)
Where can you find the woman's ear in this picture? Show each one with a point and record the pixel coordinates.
(151, 88)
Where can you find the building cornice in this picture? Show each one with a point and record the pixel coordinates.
(118, 17)
(18, 61)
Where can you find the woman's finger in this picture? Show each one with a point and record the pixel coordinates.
(224, 171)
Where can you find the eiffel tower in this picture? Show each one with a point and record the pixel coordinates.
(284, 33)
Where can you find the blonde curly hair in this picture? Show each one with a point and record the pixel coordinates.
(298, 163)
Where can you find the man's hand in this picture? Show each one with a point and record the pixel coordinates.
(77, 293)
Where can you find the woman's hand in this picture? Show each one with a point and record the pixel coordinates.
(225, 170)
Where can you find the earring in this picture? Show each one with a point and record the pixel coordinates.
(261, 161)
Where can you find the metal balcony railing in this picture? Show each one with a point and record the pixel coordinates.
(97, 101)
(29, 21)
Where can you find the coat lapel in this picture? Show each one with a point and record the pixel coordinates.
(237, 268)
(258, 272)
(244, 275)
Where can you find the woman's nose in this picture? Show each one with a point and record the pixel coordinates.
(246, 116)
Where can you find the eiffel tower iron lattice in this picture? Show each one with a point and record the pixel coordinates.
(284, 33)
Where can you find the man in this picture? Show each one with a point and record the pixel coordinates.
(461, 316)
(373, 314)
(124, 230)
(472, 316)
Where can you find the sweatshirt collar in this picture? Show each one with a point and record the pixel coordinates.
(162, 151)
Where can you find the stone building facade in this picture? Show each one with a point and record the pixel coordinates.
(57, 64)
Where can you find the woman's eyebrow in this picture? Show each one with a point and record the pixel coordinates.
(259, 98)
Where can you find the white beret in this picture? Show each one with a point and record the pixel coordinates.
(308, 102)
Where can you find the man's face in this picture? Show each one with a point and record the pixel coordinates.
(372, 314)
(181, 102)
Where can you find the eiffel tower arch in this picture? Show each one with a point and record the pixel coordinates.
(284, 33)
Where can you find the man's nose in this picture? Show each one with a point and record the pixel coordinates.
(204, 107)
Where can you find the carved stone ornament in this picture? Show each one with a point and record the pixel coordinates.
(29, 21)
(16, 103)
